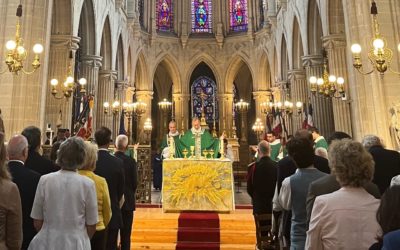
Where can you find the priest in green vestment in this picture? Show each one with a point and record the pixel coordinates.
(276, 153)
(207, 142)
(166, 141)
(319, 141)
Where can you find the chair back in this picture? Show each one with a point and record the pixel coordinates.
(265, 239)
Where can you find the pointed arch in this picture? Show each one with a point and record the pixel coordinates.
(171, 66)
(264, 73)
(236, 64)
(86, 28)
(141, 74)
(208, 60)
(298, 49)
(106, 46)
(284, 59)
(314, 29)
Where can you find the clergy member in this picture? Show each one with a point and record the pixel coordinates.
(276, 146)
(207, 142)
(320, 144)
(166, 139)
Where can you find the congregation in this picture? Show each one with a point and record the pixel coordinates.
(76, 202)
(325, 193)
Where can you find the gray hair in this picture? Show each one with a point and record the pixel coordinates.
(71, 154)
(371, 140)
(16, 146)
(351, 163)
(121, 142)
(321, 152)
(264, 148)
(91, 156)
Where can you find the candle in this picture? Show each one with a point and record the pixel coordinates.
(214, 107)
(191, 105)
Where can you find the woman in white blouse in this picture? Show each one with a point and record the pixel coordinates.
(65, 205)
(345, 219)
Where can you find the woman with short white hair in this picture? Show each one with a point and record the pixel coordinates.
(341, 219)
(65, 206)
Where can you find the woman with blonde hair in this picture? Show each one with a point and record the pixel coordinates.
(103, 198)
(346, 218)
(10, 206)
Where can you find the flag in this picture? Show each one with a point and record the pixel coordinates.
(122, 130)
(86, 117)
(277, 124)
(59, 119)
(310, 122)
(308, 116)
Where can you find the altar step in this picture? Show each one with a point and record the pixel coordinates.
(155, 230)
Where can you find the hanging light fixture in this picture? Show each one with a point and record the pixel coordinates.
(17, 54)
(69, 83)
(379, 55)
(327, 85)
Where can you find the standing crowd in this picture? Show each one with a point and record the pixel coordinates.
(329, 194)
(83, 200)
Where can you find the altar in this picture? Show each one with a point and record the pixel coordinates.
(197, 185)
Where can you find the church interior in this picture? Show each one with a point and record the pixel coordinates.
(243, 67)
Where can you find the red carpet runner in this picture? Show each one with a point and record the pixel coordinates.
(198, 231)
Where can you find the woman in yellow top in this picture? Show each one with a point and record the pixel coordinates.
(98, 240)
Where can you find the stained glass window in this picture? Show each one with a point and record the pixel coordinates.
(164, 15)
(201, 16)
(238, 14)
(204, 90)
(141, 12)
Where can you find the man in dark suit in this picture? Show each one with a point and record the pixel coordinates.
(261, 184)
(111, 168)
(130, 171)
(26, 180)
(35, 161)
(387, 162)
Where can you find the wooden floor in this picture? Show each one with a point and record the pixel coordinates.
(155, 230)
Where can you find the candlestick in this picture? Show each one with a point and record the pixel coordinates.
(191, 106)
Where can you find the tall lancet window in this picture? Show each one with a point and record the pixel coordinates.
(201, 16)
(165, 15)
(238, 14)
(204, 92)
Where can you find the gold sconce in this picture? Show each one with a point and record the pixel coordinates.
(379, 55)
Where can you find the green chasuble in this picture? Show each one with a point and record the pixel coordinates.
(207, 142)
(165, 143)
(276, 148)
(320, 142)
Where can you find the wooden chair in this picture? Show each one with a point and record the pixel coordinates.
(265, 239)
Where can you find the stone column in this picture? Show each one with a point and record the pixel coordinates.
(59, 62)
(225, 102)
(90, 70)
(299, 93)
(105, 93)
(336, 48)
(120, 86)
(181, 110)
(322, 107)
(145, 96)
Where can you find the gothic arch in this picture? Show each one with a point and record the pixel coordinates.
(86, 28)
(314, 29)
(171, 66)
(141, 74)
(106, 46)
(264, 73)
(209, 62)
(232, 71)
(298, 49)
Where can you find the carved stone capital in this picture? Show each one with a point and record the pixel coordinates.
(180, 97)
(110, 75)
(297, 74)
(334, 41)
(67, 42)
(262, 95)
(312, 60)
(144, 95)
(92, 61)
(226, 96)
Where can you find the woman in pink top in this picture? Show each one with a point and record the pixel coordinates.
(345, 219)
